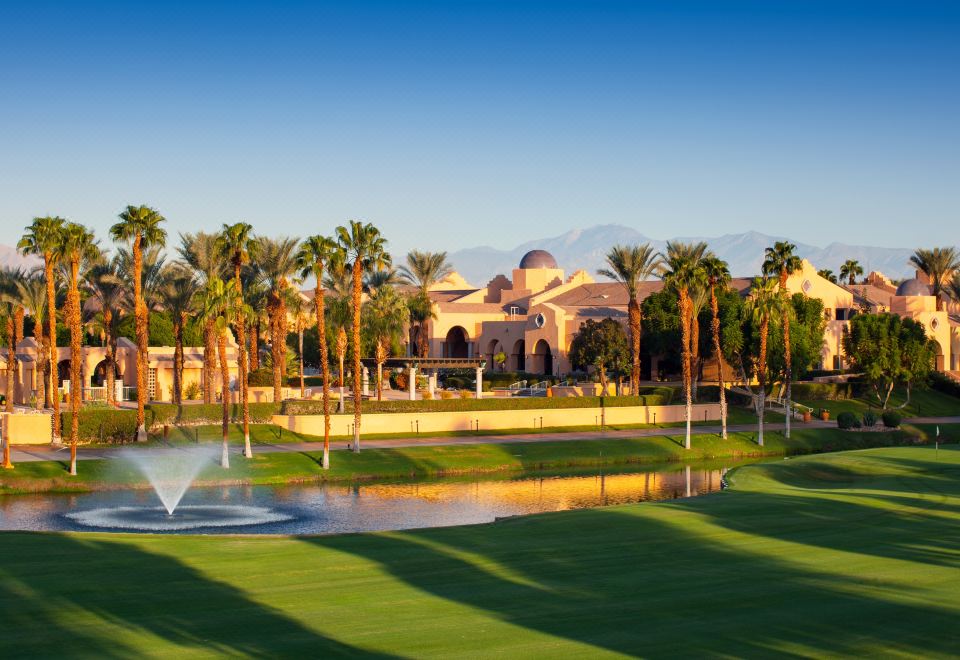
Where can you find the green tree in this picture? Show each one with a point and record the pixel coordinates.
(630, 265)
(365, 250)
(386, 315)
(140, 226)
(599, 345)
(781, 261)
(718, 275)
(32, 292)
(890, 351)
(827, 274)
(850, 270)
(277, 264)
(764, 303)
(424, 270)
(179, 294)
(939, 265)
(104, 285)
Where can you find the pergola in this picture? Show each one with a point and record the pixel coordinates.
(434, 365)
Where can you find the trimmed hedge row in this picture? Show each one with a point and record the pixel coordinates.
(944, 384)
(104, 424)
(209, 413)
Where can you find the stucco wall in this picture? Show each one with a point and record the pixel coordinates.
(29, 429)
(438, 422)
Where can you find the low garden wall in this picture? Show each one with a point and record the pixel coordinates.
(466, 420)
(29, 428)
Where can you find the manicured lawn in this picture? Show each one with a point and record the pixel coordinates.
(406, 462)
(923, 403)
(853, 554)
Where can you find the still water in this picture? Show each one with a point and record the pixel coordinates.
(367, 506)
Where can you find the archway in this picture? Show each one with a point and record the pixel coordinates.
(518, 356)
(63, 372)
(455, 345)
(543, 360)
(99, 376)
(494, 347)
(939, 359)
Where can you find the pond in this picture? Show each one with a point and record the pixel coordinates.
(360, 506)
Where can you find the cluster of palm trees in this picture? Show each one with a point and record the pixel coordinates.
(223, 282)
(696, 274)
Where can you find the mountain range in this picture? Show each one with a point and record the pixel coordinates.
(585, 248)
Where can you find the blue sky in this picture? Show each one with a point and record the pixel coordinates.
(451, 125)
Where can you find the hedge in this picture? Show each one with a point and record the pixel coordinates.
(944, 384)
(209, 413)
(824, 391)
(105, 424)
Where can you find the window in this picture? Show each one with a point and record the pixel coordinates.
(514, 310)
(152, 384)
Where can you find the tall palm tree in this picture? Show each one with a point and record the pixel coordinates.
(953, 288)
(102, 281)
(179, 293)
(199, 252)
(630, 265)
(255, 294)
(763, 304)
(424, 270)
(77, 244)
(140, 226)
(718, 275)
(939, 265)
(365, 250)
(850, 270)
(9, 302)
(238, 246)
(682, 270)
(387, 314)
(378, 279)
(32, 292)
(277, 264)
(342, 343)
(781, 261)
(315, 254)
(43, 238)
(828, 275)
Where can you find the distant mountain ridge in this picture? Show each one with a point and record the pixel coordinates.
(585, 248)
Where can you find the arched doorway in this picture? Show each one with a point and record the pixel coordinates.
(543, 358)
(518, 356)
(63, 372)
(494, 347)
(99, 376)
(939, 359)
(455, 345)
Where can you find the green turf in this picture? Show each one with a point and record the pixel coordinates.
(409, 462)
(925, 403)
(853, 554)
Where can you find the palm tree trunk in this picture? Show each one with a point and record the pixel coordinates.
(225, 396)
(379, 381)
(209, 350)
(9, 404)
(109, 375)
(273, 309)
(715, 327)
(694, 353)
(76, 360)
(52, 322)
(178, 361)
(39, 369)
(242, 384)
(325, 370)
(303, 392)
(255, 346)
(357, 399)
(282, 334)
(685, 359)
(762, 373)
(340, 403)
(788, 362)
(633, 311)
(140, 313)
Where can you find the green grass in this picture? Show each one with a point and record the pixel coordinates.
(925, 403)
(852, 554)
(411, 462)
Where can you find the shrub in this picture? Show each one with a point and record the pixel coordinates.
(104, 424)
(260, 378)
(944, 384)
(427, 395)
(820, 391)
(446, 394)
(847, 420)
(892, 419)
(869, 419)
(209, 413)
(454, 404)
(466, 394)
(193, 391)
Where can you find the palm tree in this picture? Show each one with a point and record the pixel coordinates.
(387, 314)
(939, 265)
(9, 302)
(764, 303)
(199, 252)
(827, 274)
(179, 295)
(342, 344)
(365, 251)
(102, 281)
(718, 275)
(781, 261)
(77, 244)
(277, 265)
(849, 271)
(630, 265)
(43, 238)
(682, 270)
(378, 279)
(237, 245)
(424, 270)
(32, 292)
(953, 288)
(255, 294)
(140, 226)
(315, 254)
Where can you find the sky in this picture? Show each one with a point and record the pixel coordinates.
(457, 124)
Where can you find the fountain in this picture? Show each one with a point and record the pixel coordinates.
(171, 471)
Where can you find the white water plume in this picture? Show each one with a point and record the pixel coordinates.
(171, 470)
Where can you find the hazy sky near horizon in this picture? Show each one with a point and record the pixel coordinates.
(456, 124)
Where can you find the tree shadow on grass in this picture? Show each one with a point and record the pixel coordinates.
(625, 581)
(52, 582)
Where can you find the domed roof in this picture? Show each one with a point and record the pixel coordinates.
(538, 259)
(913, 287)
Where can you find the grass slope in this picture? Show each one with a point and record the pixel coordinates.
(923, 403)
(839, 555)
(408, 462)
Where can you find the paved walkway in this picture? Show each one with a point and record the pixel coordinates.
(47, 453)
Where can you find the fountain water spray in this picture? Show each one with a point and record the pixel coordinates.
(171, 471)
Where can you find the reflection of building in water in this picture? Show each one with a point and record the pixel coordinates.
(552, 493)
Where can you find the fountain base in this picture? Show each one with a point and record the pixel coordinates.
(156, 519)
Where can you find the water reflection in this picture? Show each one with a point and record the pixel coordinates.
(363, 506)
